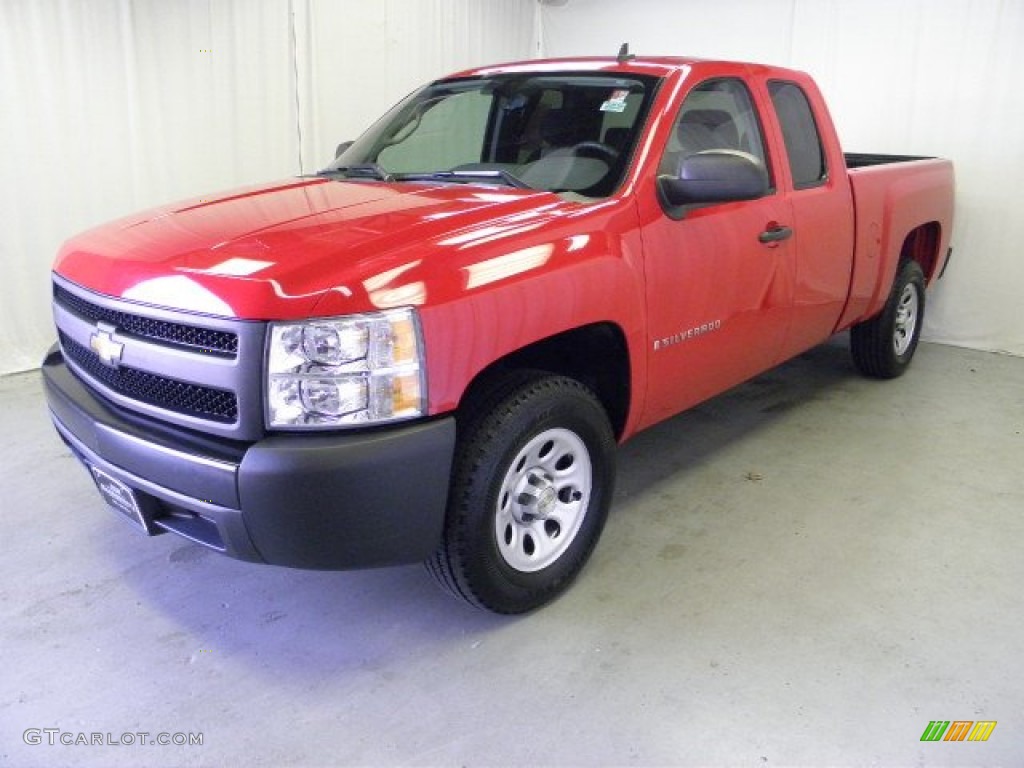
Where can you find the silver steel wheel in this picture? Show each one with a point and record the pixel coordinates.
(883, 346)
(543, 500)
(532, 479)
(906, 319)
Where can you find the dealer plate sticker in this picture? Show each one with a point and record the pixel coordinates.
(120, 497)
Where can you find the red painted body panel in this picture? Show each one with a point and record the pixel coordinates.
(279, 251)
(494, 269)
(822, 218)
(891, 201)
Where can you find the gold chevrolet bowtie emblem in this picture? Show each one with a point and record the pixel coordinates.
(103, 344)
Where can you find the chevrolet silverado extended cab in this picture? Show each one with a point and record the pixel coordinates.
(429, 350)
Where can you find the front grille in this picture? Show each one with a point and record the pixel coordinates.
(205, 340)
(170, 394)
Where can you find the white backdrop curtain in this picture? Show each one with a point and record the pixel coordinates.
(110, 106)
(925, 77)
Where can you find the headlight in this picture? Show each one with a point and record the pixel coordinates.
(359, 369)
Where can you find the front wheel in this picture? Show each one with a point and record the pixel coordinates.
(883, 346)
(532, 483)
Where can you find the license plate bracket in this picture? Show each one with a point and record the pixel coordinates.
(122, 499)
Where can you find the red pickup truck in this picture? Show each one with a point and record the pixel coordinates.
(429, 350)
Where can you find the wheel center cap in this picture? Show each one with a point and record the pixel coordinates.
(535, 498)
(546, 501)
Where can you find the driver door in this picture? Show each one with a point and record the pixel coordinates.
(719, 277)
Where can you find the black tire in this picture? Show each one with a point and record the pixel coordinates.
(531, 486)
(883, 346)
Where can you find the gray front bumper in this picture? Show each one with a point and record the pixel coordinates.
(328, 501)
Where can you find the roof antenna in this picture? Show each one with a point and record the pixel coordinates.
(624, 54)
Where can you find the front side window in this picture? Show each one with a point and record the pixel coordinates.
(800, 133)
(717, 114)
(571, 134)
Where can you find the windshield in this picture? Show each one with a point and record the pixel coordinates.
(567, 133)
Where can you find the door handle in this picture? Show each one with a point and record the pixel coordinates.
(775, 233)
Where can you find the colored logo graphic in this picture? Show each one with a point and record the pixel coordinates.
(958, 730)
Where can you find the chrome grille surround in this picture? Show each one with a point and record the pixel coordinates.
(197, 371)
(160, 331)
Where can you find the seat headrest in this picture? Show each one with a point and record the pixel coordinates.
(557, 127)
(715, 123)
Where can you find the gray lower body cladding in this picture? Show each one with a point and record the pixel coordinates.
(324, 501)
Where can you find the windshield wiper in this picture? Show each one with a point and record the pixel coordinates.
(359, 171)
(499, 175)
(378, 173)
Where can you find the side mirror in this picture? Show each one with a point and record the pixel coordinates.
(341, 148)
(715, 176)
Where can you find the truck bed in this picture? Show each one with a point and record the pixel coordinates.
(865, 159)
(902, 204)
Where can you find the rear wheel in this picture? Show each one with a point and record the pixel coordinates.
(531, 487)
(883, 346)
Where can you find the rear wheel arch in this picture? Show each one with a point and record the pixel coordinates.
(922, 245)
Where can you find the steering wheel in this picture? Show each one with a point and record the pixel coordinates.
(596, 150)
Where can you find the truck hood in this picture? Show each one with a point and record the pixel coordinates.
(297, 248)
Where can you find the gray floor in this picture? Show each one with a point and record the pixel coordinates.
(805, 571)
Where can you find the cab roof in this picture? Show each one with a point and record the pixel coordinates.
(655, 66)
(658, 66)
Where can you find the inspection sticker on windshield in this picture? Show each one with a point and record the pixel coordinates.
(616, 102)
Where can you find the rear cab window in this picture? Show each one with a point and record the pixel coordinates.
(807, 163)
